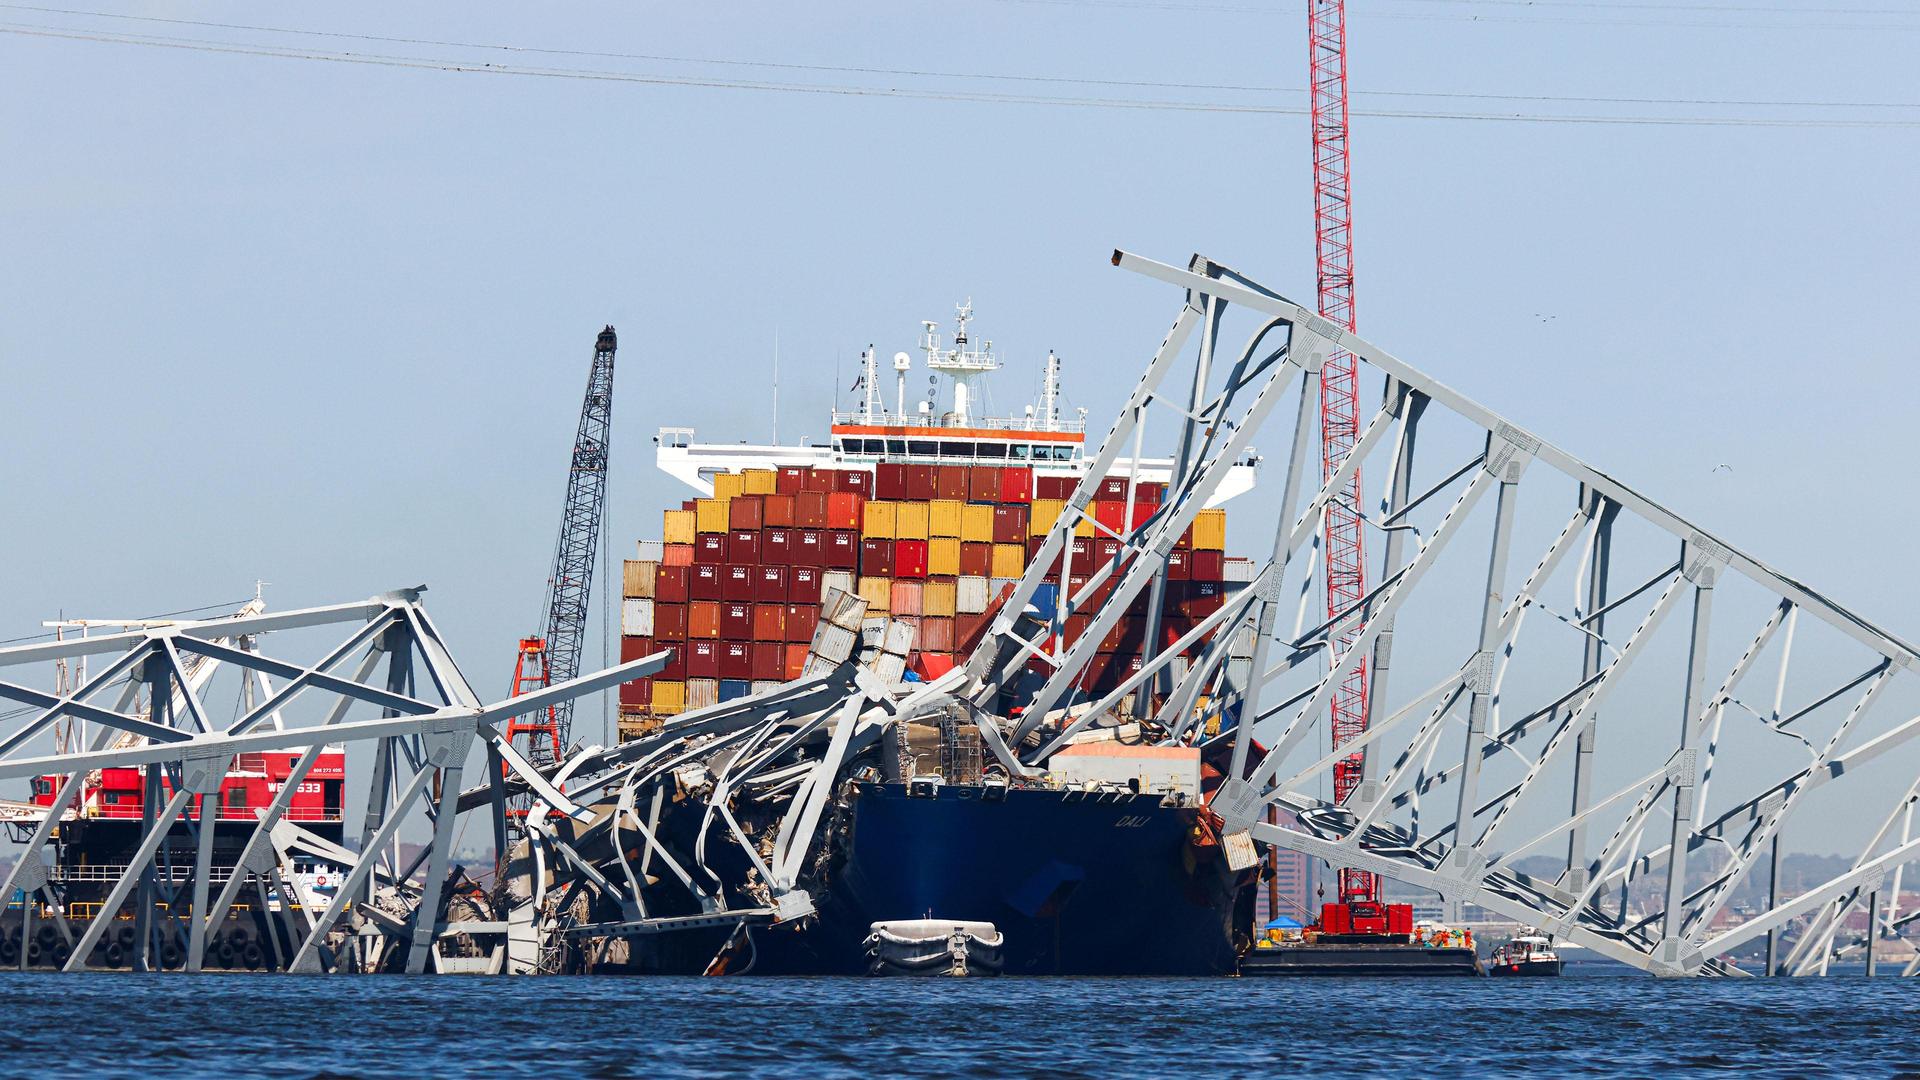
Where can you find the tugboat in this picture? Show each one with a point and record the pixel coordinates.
(1527, 954)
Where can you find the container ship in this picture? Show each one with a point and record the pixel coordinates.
(929, 515)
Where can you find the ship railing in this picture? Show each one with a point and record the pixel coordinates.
(107, 873)
(131, 812)
(946, 422)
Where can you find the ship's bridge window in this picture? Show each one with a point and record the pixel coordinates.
(956, 450)
(922, 449)
(236, 797)
(993, 450)
(872, 446)
(1063, 453)
(1018, 452)
(896, 446)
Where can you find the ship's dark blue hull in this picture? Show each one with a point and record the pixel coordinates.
(1078, 883)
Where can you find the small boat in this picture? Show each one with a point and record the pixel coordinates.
(1528, 954)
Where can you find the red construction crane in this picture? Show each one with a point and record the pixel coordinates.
(1345, 571)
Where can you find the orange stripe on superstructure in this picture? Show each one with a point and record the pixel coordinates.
(959, 433)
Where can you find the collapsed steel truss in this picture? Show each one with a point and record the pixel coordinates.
(428, 720)
(1518, 785)
(1506, 731)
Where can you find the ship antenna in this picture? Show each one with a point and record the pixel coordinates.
(1050, 393)
(871, 376)
(776, 386)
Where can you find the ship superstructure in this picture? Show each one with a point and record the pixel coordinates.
(962, 431)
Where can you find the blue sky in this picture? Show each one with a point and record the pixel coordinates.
(326, 324)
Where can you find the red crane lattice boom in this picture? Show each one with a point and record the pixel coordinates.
(1345, 543)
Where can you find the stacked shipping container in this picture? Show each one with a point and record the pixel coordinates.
(733, 588)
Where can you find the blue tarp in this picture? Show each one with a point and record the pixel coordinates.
(1284, 923)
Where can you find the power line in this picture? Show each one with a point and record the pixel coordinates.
(908, 93)
(988, 76)
(1542, 14)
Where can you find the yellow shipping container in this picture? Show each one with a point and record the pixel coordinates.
(943, 556)
(878, 593)
(727, 485)
(1083, 527)
(1009, 560)
(638, 578)
(936, 599)
(758, 481)
(910, 521)
(669, 697)
(878, 521)
(943, 518)
(710, 515)
(1210, 530)
(679, 527)
(1044, 515)
(976, 523)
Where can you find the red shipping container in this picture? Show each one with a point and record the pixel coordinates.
(776, 512)
(843, 549)
(801, 620)
(710, 547)
(818, 481)
(1016, 484)
(743, 546)
(1053, 487)
(1082, 550)
(890, 481)
(1199, 600)
(1076, 627)
(1105, 550)
(796, 661)
(704, 584)
(790, 480)
(770, 660)
(639, 691)
(1111, 514)
(810, 509)
(676, 555)
(688, 505)
(738, 581)
(703, 659)
(676, 668)
(936, 635)
(1009, 524)
(736, 659)
(920, 483)
(736, 621)
(845, 509)
(1185, 543)
(1178, 569)
(983, 484)
(743, 512)
(1034, 544)
(669, 622)
(670, 585)
(909, 559)
(803, 585)
(976, 560)
(1206, 565)
(950, 482)
(772, 587)
(776, 547)
(876, 558)
(1112, 487)
(854, 481)
(770, 622)
(809, 548)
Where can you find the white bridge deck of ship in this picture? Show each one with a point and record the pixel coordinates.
(1659, 761)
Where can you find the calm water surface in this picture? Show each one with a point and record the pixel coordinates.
(111, 1025)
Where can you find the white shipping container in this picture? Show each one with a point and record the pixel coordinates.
(1152, 768)
(899, 639)
(842, 608)
(970, 595)
(703, 693)
(1238, 570)
(833, 644)
(844, 580)
(636, 618)
(652, 551)
(994, 585)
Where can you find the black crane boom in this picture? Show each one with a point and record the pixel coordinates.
(570, 587)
